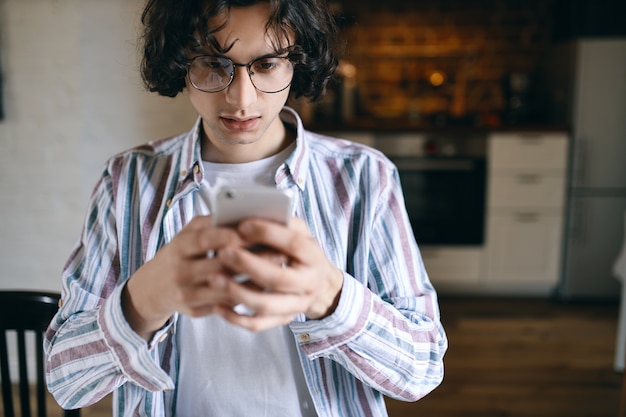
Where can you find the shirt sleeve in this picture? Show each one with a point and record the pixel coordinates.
(386, 330)
(90, 348)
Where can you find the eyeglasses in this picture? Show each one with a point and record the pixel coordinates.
(211, 74)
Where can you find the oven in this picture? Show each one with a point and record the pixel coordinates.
(443, 179)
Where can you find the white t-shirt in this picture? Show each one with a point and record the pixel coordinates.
(225, 370)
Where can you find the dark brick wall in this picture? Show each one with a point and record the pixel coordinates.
(397, 46)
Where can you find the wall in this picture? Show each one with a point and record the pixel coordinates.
(423, 59)
(72, 98)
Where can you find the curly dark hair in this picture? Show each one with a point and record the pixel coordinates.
(172, 29)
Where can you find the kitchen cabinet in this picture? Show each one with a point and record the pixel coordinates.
(527, 177)
(454, 269)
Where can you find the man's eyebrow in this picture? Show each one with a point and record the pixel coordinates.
(210, 46)
(275, 54)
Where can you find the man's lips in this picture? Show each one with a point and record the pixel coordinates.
(236, 124)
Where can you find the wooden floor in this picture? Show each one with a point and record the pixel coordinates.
(524, 358)
(517, 358)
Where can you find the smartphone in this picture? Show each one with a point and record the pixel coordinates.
(231, 204)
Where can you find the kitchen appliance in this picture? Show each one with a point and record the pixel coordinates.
(443, 180)
(597, 192)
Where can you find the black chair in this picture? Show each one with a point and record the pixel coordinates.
(26, 312)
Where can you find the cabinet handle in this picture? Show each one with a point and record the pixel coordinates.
(527, 217)
(528, 179)
(531, 139)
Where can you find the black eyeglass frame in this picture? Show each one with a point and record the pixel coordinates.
(234, 64)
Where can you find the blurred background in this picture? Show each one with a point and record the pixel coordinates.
(505, 119)
(423, 70)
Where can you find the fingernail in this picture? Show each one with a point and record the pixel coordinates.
(246, 227)
(219, 283)
(226, 254)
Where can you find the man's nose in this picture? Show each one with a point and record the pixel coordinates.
(241, 92)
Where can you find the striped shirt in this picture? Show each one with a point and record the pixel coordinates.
(384, 338)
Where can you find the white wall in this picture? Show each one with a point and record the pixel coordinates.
(72, 97)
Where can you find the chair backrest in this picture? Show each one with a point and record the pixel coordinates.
(25, 312)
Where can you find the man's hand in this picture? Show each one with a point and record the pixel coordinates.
(307, 283)
(180, 278)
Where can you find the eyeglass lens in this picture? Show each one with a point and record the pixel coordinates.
(213, 74)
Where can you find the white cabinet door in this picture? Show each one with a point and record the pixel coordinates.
(453, 265)
(526, 194)
(531, 151)
(524, 249)
(526, 189)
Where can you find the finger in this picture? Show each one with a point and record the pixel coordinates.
(253, 323)
(182, 271)
(198, 241)
(203, 296)
(299, 225)
(199, 222)
(270, 255)
(266, 303)
(267, 272)
(294, 240)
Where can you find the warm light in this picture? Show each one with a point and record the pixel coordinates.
(437, 78)
(347, 69)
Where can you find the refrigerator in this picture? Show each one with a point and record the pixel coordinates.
(594, 229)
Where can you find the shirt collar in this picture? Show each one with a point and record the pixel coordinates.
(294, 171)
(191, 156)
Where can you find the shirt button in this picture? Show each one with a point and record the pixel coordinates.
(304, 337)
(169, 202)
(196, 168)
(300, 181)
(60, 303)
(183, 173)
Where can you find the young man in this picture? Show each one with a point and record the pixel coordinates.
(343, 311)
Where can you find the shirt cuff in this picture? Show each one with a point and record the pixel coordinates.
(138, 360)
(349, 319)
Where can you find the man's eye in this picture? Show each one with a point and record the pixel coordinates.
(266, 65)
(213, 65)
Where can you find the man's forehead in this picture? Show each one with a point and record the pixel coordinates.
(251, 39)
